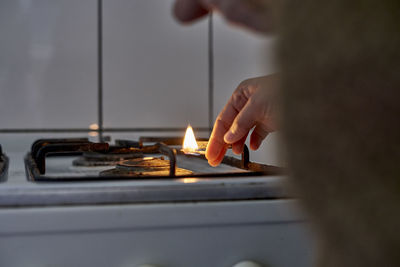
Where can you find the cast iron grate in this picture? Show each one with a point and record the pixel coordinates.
(3, 166)
(35, 160)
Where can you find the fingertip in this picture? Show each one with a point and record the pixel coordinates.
(257, 137)
(213, 163)
(254, 147)
(213, 150)
(255, 143)
(210, 152)
(236, 152)
(221, 155)
(237, 148)
(217, 160)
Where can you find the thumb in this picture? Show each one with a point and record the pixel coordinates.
(244, 121)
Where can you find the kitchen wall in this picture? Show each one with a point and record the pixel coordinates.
(155, 70)
(47, 63)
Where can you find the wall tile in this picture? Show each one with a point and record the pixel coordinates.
(239, 55)
(155, 70)
(47, 63)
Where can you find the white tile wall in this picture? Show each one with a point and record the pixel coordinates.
(47, 63)
(155, 70)
(239, 55)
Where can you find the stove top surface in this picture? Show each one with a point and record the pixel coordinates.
(19, 190)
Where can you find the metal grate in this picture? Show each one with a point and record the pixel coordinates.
(3, 166)
(35, 161)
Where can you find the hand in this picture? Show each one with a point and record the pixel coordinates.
(254, 14)
(251, 105)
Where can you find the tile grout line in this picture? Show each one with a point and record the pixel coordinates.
(100, 68)
(210, 72)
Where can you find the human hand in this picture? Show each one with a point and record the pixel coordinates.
(251, 105)
(253, 14)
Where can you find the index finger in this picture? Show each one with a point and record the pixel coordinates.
(224, 121)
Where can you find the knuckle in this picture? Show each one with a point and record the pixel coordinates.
(256, 105)
(241, 127)
(222, 122)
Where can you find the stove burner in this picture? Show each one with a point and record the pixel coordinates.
(93, 159)
(168, 140)
(146, 163)
(123, 150)
(147, 166)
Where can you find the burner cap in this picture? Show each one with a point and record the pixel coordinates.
(142, 167)
(144, 164)
(90, 159)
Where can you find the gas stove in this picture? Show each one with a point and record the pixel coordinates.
(133, 160)
(149, 169)
(72, 201)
